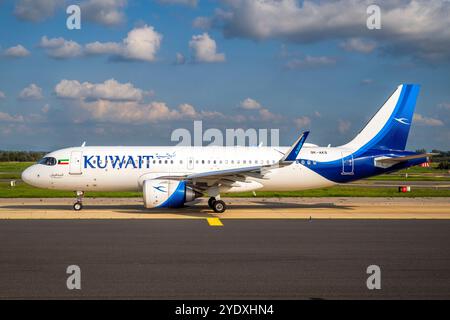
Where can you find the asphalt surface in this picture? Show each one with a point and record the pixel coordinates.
(188, 259)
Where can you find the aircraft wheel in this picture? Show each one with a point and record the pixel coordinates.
(219, 206)
(211, 202)
(77, 206)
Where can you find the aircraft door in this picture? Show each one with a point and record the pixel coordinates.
(75, 162)
(347, 163)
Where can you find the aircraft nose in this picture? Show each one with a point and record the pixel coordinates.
(29, 175)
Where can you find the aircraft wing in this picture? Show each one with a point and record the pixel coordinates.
(229, 176)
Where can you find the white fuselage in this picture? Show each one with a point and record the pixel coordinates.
(125, 168)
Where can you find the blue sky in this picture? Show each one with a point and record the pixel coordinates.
(291, 65)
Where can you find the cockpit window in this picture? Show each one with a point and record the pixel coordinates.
(47, 161)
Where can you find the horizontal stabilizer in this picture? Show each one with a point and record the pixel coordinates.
(386, 162)
(294, 150)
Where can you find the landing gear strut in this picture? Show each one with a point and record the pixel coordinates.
(217, 205)
(78, 205)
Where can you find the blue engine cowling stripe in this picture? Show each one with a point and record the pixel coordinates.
(177, 198)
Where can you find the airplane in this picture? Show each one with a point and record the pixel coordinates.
(175, 176)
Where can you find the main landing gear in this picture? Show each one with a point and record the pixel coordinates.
(78, 205)
(217, 205)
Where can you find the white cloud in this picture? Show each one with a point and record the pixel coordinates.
(137, 113)
(302, 122)
(59, 48)
(45, 108)
(6, 117)
(105, 12)
(32, 92)
(422, 120)
(250, 104)
(36, 10)
(358, 45)
(202, 23)
(103, 48)
(141, 43)
(108, 90)
(192, 3)
(310, 62)
(366, 81)
(344, 125)
(18, 51)
(179, 58)
(204, 49)
(264, 114)
(420, 28)
(116, 102)
(2, 95)
(444, 105)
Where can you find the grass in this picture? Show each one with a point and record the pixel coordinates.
(22, 190)
(14, 167)
(12, 171)
(348, 191)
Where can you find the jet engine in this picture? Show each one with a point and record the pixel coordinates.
(167, 193)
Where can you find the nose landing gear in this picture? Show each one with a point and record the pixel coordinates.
(78, 205)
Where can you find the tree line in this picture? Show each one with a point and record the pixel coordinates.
(21, 156)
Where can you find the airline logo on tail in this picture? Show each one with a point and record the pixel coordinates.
(402, 121)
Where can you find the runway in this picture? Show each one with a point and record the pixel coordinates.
(257, 259)
(290, 248)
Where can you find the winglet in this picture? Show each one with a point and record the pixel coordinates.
(294, 150)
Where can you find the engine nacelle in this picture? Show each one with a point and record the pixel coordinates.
(167, 193)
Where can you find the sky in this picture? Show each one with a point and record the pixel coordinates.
(137, 70)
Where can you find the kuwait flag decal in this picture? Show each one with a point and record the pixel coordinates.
(63, 161)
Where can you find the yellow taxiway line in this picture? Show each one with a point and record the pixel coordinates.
(214, 222)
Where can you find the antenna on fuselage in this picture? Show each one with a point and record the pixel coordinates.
(83, 144)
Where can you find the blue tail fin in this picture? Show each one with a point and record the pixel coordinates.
(389, 127)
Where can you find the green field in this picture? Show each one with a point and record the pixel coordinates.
(12, 171)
